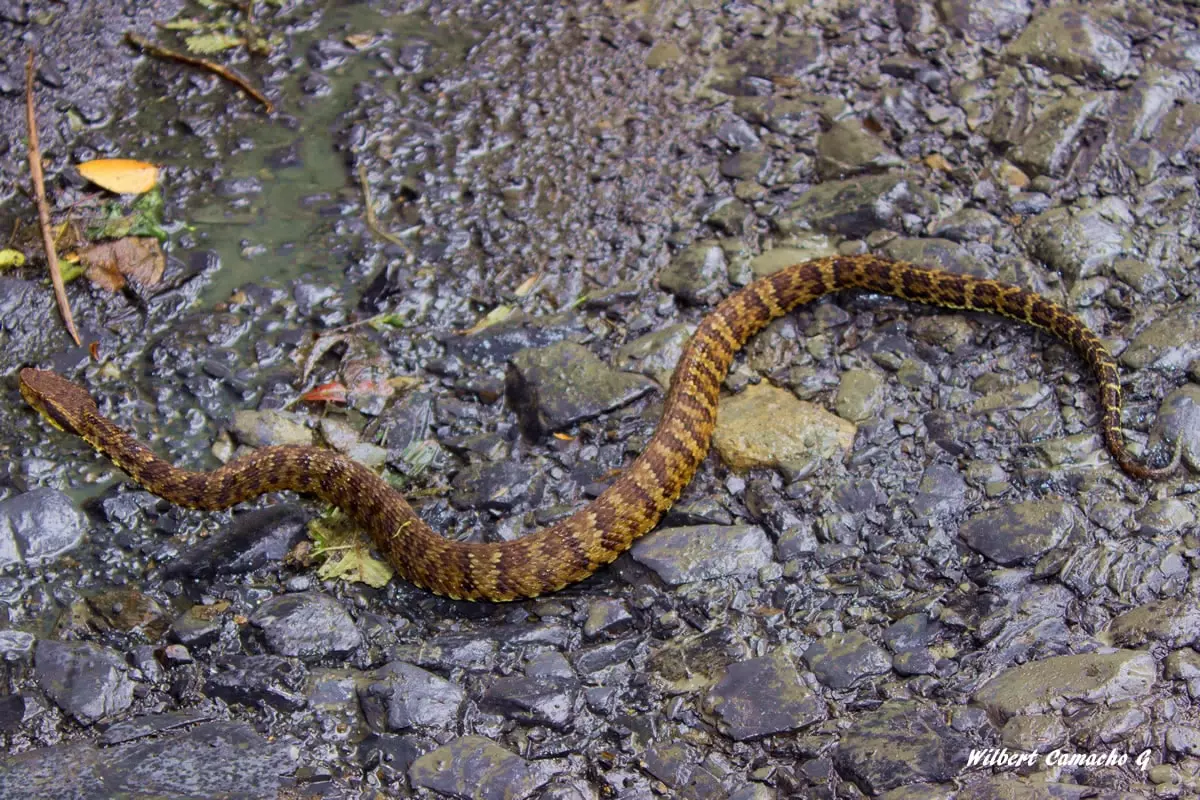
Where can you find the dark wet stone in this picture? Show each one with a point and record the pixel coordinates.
(496, 486)
(800, 118)
(1139, 573)
(982, 21)
(199, 626)
(391, 755)
(1021, 532)
(1043, 686)
(402, 696)
(475, 768)
(698, 275)
(217, 759)
(1079, 242)
(39, 525)
(746, 165)
(704, 552)
(942, 491)
(761, 697)
(670, 762)
(252, 541)
(966, 225)
(606, 617)
(306, 625)
(1166, 516)
(475, 653)
(534, 700)
(589, 660)
(912, 631)
(1174, 622)
(259, 681)
(839, 660)
(555, 387)
(15, 710)
(1172, 341)
(737, 134)
(915, 662)
(901, 743)
(498, 343)
(858, 206)
(727, 215)
(87, 681)
(1074, 40)
(654, 354)
(152, 725)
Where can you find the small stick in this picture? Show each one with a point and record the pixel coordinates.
(224, 72)
(369, 208)
(39, 193)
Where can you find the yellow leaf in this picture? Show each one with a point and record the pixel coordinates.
(120, 175)
(11, 258)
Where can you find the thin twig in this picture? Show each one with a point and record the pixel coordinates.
(39, 194)
(369, 207)
(226, 73)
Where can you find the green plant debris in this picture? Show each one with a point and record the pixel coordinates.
(143, 219)
(10, 259)
(209, 43)
(345, 553)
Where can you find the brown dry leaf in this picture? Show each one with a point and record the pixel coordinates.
(120, 175)
(110, 263)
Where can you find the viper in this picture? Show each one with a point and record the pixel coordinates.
(575, 547)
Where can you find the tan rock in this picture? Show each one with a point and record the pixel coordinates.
(766, 426)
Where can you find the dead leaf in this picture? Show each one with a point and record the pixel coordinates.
(139, 258)
(120, 175)
(332, 392)
(497, 314)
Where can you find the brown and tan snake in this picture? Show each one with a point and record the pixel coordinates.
(577, 546)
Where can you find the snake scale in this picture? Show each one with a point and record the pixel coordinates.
(575, 547)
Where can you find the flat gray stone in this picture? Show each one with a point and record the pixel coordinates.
(704, 552)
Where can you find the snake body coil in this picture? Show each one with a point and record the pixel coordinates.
(573, 548)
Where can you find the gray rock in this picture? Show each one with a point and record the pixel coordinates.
(1095, 678)
(253, 540)
(215, 759)
(698, 275)
(1052, 141)
(1166, 516)
(1074, 40)
(847, 148)
(475, 768)
(270, 427)
(548, 700)
(1171, 342)
(38, 526)
(839, 660)
(762, 697)
(1078, 243)
(901, 743)
(704, 552)
(858, 206)
(1178, 422)
(1138, 572)
(655, 354)
(259, 681)
(306, 625)
(1021, 532)
(1174, 622)
(498, 486)
(87, 681)
(401, 696)
(984, 21)
(861, 394)
(555, 387)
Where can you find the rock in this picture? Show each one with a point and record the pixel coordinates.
(1094, 678)
(475, 768)
(1170, 342)
(499, 486)
(127, 609)
(555, 387)
(901, 743)
(306, 625)
(765, 426)
(1178, 422)
(699, 275)
(400, 696)
(214, 759)
(762, 697)
(1021, 532)
(847, 148)
(38, 526)
(259, 681)
(704, 552)
(1053, 141)
(548, 700)
(858, 206)
(265, 428)
(655, 354)
(985, 21)
(1079, 242)
(1074, 40)
(839, 660)
(860, 396)
(942, 491)
(1166, 516)
(1174, 622)
(966, 225)
(87, 681)
(253, 540)
(607, 617)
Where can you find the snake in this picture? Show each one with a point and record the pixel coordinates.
(575, 547)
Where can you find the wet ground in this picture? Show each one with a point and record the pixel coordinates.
(936, 559)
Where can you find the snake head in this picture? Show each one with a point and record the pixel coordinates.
(61, 402)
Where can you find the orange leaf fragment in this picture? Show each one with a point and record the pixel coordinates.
(332, 392)
(120, 175)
